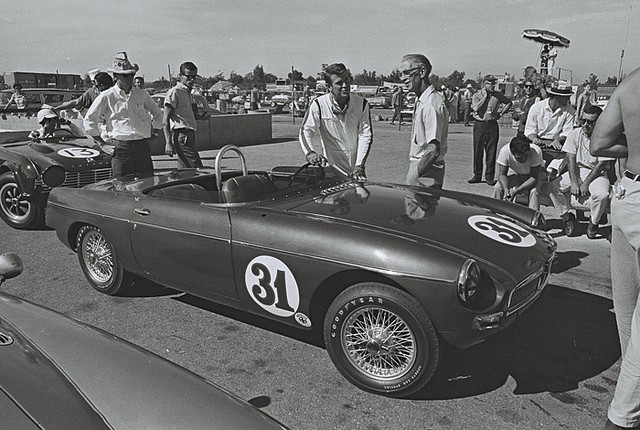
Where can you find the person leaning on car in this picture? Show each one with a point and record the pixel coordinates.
(127, 112)
(344, 122)
(430, 124)
(101, 81)
(180, 120)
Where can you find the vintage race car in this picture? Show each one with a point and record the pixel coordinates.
(29, 170)
(385, 272)
(58, 373)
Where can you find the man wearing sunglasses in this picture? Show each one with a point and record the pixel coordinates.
(587, 175)
(180, 119)
(430, 128)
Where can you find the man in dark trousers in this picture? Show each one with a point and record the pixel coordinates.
(488, 106)
(396, 100)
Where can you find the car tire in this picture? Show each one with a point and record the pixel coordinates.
(381, 339)
(15, 210)
(100, 263)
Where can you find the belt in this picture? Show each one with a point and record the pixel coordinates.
(132, 140)
(632, 175)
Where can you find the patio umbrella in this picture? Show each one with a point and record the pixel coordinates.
(546, 36)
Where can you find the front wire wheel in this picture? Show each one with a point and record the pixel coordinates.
(381, 339)
(99, 262)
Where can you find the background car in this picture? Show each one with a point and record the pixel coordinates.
(58, 373)
(29, 170)
(383, 272)
(39, 96)
(279, 101)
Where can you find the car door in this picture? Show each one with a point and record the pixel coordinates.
(184, 245)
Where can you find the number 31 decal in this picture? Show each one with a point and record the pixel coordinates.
(502, 230)
(272, 286)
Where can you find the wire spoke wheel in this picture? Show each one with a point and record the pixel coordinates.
(98, 255)
(379, 343)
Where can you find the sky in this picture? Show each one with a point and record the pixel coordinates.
(477, 37)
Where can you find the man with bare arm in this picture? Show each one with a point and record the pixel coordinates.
(617, 134)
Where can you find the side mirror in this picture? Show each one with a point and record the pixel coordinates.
(10, 266)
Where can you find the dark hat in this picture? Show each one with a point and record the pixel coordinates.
(560, 88)
(489, 78)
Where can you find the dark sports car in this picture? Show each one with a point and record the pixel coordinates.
(57, 373)
(385, 272)
(29, 170)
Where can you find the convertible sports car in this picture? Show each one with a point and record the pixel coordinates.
(385, 272)
(59, 374)
(29, 170)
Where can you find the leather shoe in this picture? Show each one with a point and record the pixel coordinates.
(592, 230)
(569, 223)
(475, 180)
(491, 182)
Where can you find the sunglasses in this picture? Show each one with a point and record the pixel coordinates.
(528, 86)
(410, 72)
(589, 121)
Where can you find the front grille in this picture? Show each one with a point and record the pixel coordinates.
(80, 179)
(529, 288)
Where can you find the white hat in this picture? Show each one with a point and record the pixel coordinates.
(45, 113)
(560, 88)
(122, 66)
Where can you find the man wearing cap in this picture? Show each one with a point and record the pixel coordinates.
(49, 122)
(617, 134)
(430, 128)
(488, 107)
(180, 120)
(127, 112)
(549, 122)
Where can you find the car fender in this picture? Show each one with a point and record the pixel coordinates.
(24, 170)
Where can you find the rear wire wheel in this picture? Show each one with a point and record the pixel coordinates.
(99, 262)
(381, 339)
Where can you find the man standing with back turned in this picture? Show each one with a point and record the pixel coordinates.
(617, 134)
(430, 128)
(127, 112)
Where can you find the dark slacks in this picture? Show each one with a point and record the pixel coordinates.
(131, 156)
(184, 142)
(485, 142)
(397, 113)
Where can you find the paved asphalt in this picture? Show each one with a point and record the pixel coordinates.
(555, 369)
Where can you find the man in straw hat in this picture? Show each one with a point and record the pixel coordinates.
(127, 112)
(549, 122)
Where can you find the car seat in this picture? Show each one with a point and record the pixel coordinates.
(247, 188)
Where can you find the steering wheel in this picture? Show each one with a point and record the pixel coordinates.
(295, 175)
(218, 161)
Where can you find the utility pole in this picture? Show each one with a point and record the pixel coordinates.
(293, 96)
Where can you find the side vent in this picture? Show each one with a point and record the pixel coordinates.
(5, 339)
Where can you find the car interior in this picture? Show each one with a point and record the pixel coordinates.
(238, 188)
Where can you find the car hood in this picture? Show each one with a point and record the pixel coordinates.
(72, 154)
(476, 226)
(63, 374)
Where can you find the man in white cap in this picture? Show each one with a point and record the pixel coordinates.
(466, 100)
(128, 113)
(50, 122)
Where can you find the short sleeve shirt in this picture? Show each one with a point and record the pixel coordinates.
(506, 158)
(179, 97)
(430, 121)
(578, 143)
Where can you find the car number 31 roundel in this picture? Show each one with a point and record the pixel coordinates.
(502, 230)
(272, 286)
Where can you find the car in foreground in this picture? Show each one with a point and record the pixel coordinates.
(30, 169)
(58, 373)
(384, 272)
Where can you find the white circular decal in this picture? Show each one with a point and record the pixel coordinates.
(502, 230)
(272, 286)
(79, 152)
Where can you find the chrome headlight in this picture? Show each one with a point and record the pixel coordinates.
(54, 176)
(475, 288)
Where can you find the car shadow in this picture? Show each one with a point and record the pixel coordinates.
(566, 337)
(566, 260)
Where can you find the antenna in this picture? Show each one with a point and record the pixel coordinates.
(626, 34)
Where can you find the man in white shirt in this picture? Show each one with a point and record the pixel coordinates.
(430, 128)
(518, 171)
(549, 121)
(344, 122)
(127, 112)
(587, 175)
